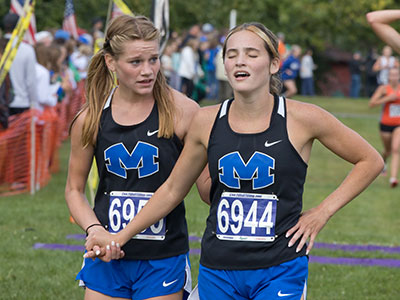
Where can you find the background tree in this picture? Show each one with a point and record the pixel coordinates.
(317, 23)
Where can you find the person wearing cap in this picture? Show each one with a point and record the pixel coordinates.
(62, 35)
(22, 71)
(44, 37)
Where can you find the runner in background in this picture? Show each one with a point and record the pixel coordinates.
(380, 22)
(388, 96)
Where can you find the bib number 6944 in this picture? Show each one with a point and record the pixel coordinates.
(246, 217)
(124, 206)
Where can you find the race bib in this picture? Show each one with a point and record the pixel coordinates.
(394, 110)
(246, 217)
(124, 206)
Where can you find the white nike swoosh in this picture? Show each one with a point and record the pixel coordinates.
(150, 133)
(271, 144)
(283, 295)
(165, 284)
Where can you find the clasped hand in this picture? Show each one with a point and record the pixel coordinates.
(100, 243)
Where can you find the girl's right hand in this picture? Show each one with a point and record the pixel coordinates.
(106, 254)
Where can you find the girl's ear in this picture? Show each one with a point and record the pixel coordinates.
(110, 62)
(274, 66)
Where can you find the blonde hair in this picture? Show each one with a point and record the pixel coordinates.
(100, 81)
(270, 43)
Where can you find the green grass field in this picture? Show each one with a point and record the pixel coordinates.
(372, 218)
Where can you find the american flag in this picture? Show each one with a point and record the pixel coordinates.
(17, 7)
(69, 23)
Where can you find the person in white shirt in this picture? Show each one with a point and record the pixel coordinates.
(47, 92)
(384, 63)
(166, 62)
(44, 37)
(81, 57)
(22, 71)
(307, 67)
(188, 66)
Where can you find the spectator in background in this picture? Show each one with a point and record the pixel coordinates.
(356, 66)
(189, 65)
(166, 62)
(210, 67)
(61, 37)
(200, 80)
(59, 71)
(281, 46)
(97, 27)
(385, 62)
(44, 37)
(5, 99)
(225, 89)
(175, 80)
(5, 94)
(47, 92)
(22, 71)
(290, 70)
(193, 33)
(81, 56)
(371, 82)
(307, 67)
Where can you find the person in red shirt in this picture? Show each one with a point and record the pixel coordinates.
(389, 97)
(380, 22)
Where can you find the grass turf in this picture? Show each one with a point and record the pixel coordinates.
(372, 218)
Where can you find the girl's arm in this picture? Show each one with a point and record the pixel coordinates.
(380, 20)
(190, 164)
(187, 110)
(80, 162)
(203, 184)
(348, 145)
(377, 65)
(379, 97)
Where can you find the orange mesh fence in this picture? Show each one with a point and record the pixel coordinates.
(29, 146)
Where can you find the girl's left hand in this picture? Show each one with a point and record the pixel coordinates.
(110, 252)
(309, 225)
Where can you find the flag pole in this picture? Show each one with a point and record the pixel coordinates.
(110, 3)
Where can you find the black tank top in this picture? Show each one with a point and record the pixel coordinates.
(256, 194)
(132, 163)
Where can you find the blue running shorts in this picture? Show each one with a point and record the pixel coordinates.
(137, 279)
(287, 281)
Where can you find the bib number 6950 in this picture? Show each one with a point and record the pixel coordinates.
(124, 206)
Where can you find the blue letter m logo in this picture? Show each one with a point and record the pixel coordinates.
(142, 158)
(257, 169)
